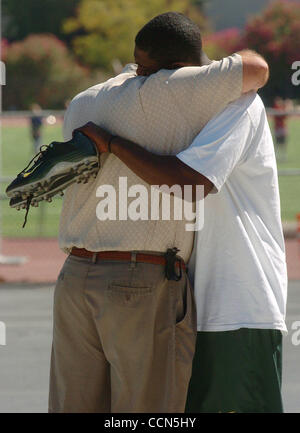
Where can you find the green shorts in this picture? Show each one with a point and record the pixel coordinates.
(237, 371)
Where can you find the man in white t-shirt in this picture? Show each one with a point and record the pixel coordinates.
(238, 266)
(238, 261)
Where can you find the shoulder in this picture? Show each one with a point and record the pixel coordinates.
(85, 96)
(249, 105)
(243, 102)
(129, 71)
(257, 112)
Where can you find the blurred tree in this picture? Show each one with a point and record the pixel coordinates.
(110, 26)
(199, 4)
(220, 44)
(23, 17)
(275, 34)
(41, 70)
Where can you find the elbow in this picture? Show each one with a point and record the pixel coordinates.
(206, 187)
(262, 72)
(255, 72)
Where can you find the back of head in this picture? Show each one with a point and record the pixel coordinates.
(169, 38)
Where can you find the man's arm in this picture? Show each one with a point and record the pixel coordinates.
(255, 71)
(152, 168)
(157, 169)
(202, 92)
(209, 160)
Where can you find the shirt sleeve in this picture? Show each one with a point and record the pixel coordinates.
(221, 145)
(77, 114)
(207, 88)
(67, 134)
(72, 117)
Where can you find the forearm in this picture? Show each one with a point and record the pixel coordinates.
(152, 168)
(157, 169)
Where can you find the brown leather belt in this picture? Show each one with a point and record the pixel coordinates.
(124, 256)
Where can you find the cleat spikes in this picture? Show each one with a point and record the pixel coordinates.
(54, 171)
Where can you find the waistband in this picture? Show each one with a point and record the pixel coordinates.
(130, 256)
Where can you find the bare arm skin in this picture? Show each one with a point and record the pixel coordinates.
(152, 168)
(255, 71)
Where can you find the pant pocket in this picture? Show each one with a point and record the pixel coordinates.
(128, 296)
(186, 311)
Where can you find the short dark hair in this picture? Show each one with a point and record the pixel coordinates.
(171, 37)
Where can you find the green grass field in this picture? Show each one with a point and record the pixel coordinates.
(17, 151)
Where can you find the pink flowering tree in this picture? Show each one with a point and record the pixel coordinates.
(40, 70)
(275, 34)
(220, 44)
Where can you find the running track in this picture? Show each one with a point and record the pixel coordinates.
(44, 260)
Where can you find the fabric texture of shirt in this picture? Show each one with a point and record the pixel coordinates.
(163, 112)
(238, 261)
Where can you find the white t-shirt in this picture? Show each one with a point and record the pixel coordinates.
(238, 261)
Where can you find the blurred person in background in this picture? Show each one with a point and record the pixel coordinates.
(280, 128)
(36, 123)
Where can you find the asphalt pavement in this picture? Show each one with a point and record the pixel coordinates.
(26, 311)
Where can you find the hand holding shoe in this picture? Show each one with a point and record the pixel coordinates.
(98, 135)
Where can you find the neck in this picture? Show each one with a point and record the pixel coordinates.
(204, 59)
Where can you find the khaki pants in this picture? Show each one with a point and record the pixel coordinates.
(123, 338)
